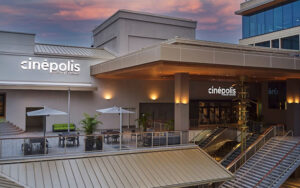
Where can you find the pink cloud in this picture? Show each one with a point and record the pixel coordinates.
(95, 10)
(209, 20)
(9, 10)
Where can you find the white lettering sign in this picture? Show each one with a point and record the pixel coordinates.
(66, 68)
(222, 91)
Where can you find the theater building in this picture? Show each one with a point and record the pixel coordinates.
(149, 64)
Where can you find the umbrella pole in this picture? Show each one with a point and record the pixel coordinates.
(44, 129)
(69, 100)
(120, 128)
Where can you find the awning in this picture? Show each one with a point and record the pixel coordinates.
(47, 86)
(163, 167)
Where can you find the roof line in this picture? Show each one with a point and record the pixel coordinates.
(68, 46)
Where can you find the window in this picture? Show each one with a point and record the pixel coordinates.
(287, 16)
(291, 43)
(263, 44)
(260, 23)
(246, 24)
(278, 19)
(296, 13)
(269, 21)
(275, 43)
(253, 30)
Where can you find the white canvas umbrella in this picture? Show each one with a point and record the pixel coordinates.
(115, 110)
(46, 112)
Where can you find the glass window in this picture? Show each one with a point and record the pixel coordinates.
(263, 44)
(291, 43)
(296, 13)
(278, 18)
(260, 23)
(246, 22)
(2, 105)
(287, 16)
(269, 24)
(275, 43)
(253, 29)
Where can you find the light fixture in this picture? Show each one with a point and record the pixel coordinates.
(153, 96)
(107, 96)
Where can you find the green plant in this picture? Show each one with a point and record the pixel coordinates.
(169, 125)
(143, 121)
(90, 123)
(2, 120)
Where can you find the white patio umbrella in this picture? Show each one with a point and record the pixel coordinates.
(116, 110)
(46, 112)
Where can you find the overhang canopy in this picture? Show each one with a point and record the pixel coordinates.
(173, 167)
(203, 60)
(47, 86)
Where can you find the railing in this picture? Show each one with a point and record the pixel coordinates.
(73, 144)
(266, 153)
(277, 164)
(248, 153)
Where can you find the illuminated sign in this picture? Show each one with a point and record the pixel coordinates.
(68, 67)
(222, 91)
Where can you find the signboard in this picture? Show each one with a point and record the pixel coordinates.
(68, 67)
(230, 91)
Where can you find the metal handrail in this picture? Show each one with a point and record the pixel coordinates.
(241, 156)
(249, 169)
(277, 164)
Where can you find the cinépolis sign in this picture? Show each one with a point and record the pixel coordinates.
(231, 91)
(68, 67)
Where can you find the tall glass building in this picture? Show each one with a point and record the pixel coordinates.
(274, 24)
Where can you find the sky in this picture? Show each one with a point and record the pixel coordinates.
(70, 22)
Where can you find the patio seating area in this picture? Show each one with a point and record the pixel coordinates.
(74, 143)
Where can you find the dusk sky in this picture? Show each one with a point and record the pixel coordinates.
(70, 22)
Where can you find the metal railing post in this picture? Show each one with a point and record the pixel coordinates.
(152, 140)
(136, 140)
(180, 137)
(120, 136)
(167, 137)
(65, 143)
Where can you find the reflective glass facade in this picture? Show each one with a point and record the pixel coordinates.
(276, 19)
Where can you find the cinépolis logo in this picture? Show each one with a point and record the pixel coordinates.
(222, 91)
(68, 67)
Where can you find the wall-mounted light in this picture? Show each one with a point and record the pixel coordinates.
(107, 96)
(153, 96)
(184, 101)
(290, 100)
(296, 100)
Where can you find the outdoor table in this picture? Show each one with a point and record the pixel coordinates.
(70, 137)
(111, 134)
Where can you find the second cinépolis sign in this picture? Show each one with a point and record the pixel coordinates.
(68, 67)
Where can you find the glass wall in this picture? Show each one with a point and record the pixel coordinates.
(276, 19)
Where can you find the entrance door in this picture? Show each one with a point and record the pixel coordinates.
(2, 105)
(34, 123)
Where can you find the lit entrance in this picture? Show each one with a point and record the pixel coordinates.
(34, 123)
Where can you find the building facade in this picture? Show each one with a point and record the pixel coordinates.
(160, 70)
(273, 24)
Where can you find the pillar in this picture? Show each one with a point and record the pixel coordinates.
(181, 101)
(293, 106)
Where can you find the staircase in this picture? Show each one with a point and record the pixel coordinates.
(215, 133)
(7, 128)
(6, 183)
(270, 166)
(237, 151)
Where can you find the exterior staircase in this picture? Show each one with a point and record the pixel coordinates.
(6, 183)
(270, 167)
(229, 158)
(7, 128)
(214, 134)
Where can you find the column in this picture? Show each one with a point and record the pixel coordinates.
(181, 101)
(293, 106)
